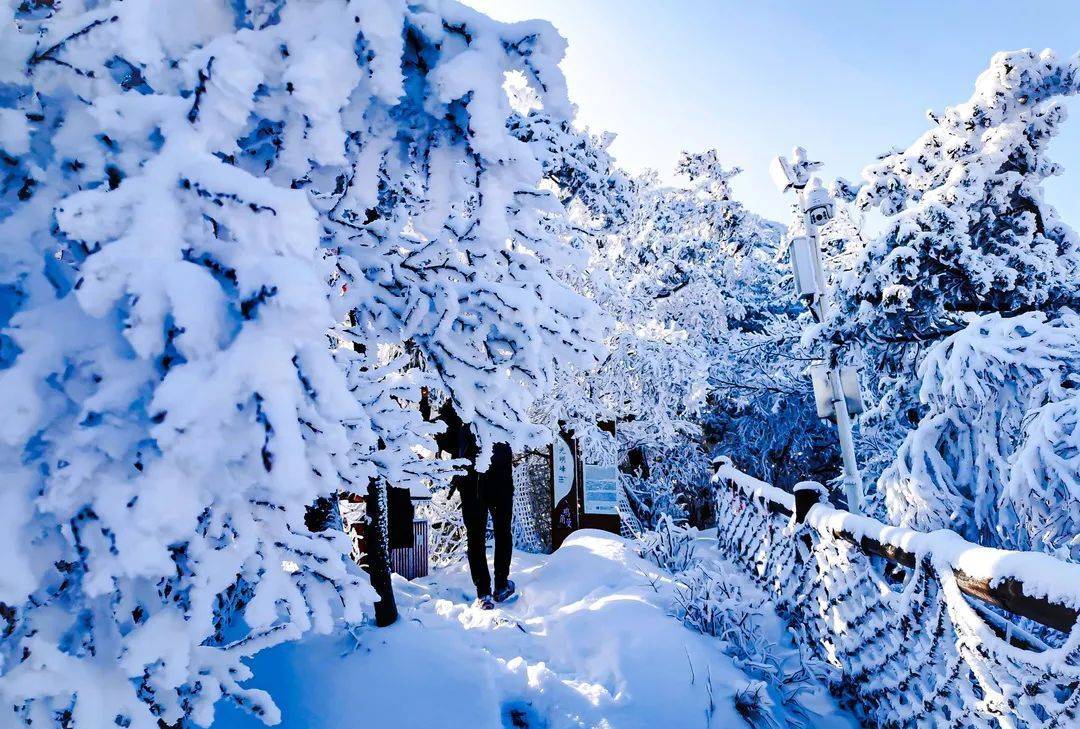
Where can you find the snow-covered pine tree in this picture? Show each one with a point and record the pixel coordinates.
(689, 277)
(599, 199)
(956, 468)
(170, 171)
(970, 230)
(172, 404)
(724, 286)
(598, 195)
(760, 411)
(1043, 486)
(446, 252)
(962, 309)
(640, 386)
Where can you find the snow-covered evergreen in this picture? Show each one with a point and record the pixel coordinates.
(194, 198)
(172, 404)
(963, 309)
(701, 321)
(443, 236)
(705, 270)
(956, 469)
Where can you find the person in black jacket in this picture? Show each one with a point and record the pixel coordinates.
(491, 491)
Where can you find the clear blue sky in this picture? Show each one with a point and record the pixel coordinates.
(846, 80)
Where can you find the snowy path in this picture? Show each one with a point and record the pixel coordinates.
(590, 643)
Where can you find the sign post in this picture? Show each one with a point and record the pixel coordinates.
(565, 481)
(583, 496)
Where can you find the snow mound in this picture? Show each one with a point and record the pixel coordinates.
(589, 643)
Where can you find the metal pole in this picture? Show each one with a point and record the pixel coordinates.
(853, 485)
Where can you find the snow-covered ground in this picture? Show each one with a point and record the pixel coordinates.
(590, 642)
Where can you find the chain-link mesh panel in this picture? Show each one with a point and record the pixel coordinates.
(917, 655)
(629, 526)
(532, 502)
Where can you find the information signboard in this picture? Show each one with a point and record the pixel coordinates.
(582, 496)
(601, 489)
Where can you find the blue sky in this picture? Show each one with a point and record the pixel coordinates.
(846, 80)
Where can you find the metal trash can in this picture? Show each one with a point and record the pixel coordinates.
(412, 562)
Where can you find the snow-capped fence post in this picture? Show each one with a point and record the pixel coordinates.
(807, 493)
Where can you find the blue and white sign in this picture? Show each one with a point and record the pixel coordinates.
(601, 490)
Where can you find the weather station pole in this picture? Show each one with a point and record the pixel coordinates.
(836, 388)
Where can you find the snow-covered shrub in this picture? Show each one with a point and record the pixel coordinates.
(717, 607)
(711, 602)
(708, 600)
(755, 705)
(193, 195)
(674, 480)
(668, 546)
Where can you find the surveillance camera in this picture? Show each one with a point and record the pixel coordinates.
(819, 215)
(818, 206)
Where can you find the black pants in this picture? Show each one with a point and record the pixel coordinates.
(482, 493)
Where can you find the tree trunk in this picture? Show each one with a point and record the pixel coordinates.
(378, 553)
(323, 515)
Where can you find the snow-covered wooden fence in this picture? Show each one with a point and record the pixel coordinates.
(927, 651)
